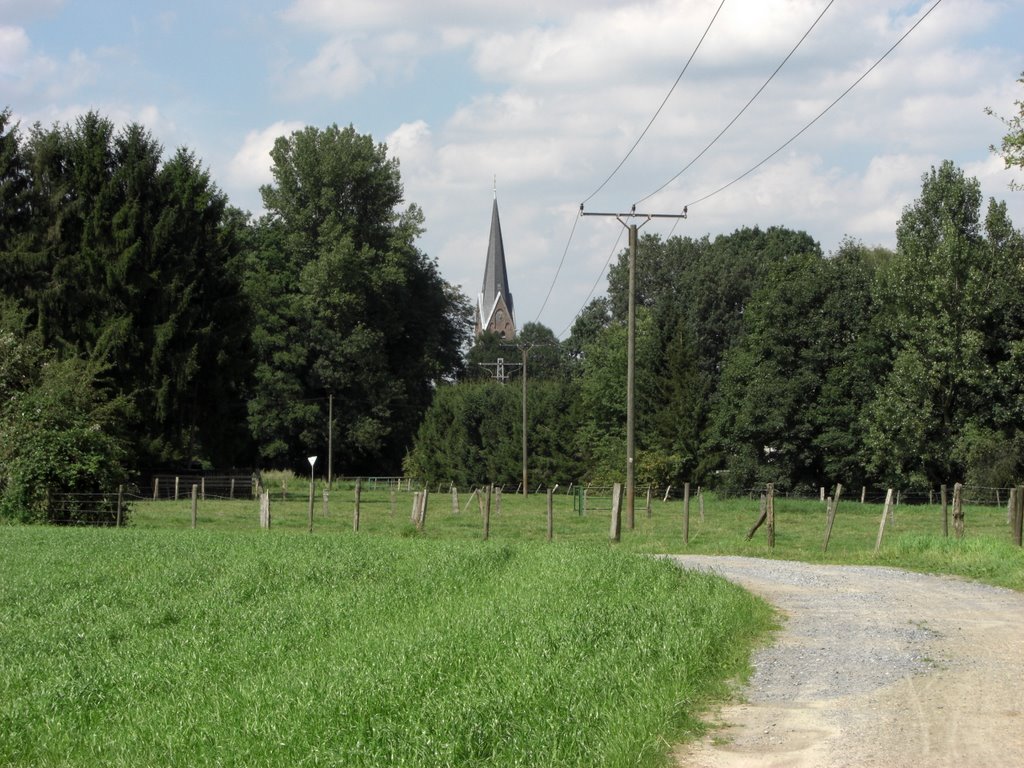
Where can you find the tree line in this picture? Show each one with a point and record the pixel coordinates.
(762, 359)
(145, 322)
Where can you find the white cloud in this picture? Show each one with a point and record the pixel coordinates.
(14, 49)
(250, 166)
(337, 70)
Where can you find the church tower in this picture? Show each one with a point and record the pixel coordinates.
(494, 308)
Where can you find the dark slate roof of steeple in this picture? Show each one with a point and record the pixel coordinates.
(495, 274)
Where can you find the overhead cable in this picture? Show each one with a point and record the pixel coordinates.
(660, 107)
(745, 106)
(822, 113)
(594, 286)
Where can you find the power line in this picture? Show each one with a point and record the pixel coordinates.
(558, 271)
(594, 286)
(745, 106)
(820, 114)
(622, 162)
(660, 107)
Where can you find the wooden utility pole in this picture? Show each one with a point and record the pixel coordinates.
(631, 344)
(330, 437)
(524, 348)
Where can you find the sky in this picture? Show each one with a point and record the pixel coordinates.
(540, 101)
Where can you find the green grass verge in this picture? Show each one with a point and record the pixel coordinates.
(144, 646)
(914, 542)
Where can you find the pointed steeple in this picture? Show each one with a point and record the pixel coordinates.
(495, 311)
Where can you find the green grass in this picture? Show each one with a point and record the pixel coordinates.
(159, 645)
(915, 542)
(143, 646)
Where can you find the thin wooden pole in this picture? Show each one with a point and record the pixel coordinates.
(422, 521)
(195, 503)
(958, 510)
(120, 504)
(356, 512)
(881, 525)
(770, 515)
(945, 512)
(615, 533)
(487, 514)
(686, 513)
(551, 514)
(761, 516)
(648, 499)
(265, 509)
(1018, 522)
(311, 503)
(832, 516)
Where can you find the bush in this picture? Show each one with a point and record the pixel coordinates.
(58, 435)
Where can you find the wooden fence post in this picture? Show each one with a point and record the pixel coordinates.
(231, 493)
(423, 509)
(667, 492)
(821, 493)
(195, 503)
(497, 499)
(863, 493)
(1018, 518)
(958, 510)
(551, 514)
(120, 504)
(177, 482)
(648, 499)
(356, 511)
(326, 504)
(156, 488)
(202, 487)
(945, 511)
(487, 514)
(265, 509)
(881, 525)
(762, 515)
(616, 526)
(310, 515)
(832, 516)
(770, 515)
(414, 515)
(455, 500)
(686, 513)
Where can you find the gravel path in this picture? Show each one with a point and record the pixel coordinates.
(874, 667)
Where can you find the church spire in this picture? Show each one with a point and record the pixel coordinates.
(495, 310)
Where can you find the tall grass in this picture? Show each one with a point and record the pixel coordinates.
(160, 647)
(915, 541)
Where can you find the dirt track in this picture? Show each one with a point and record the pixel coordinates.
(873, 667)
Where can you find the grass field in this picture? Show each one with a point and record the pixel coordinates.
(915, 541)
(143, 646)
(158, 645)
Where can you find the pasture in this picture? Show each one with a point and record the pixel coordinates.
(398, 645)
(142, 646)
(913, 537)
